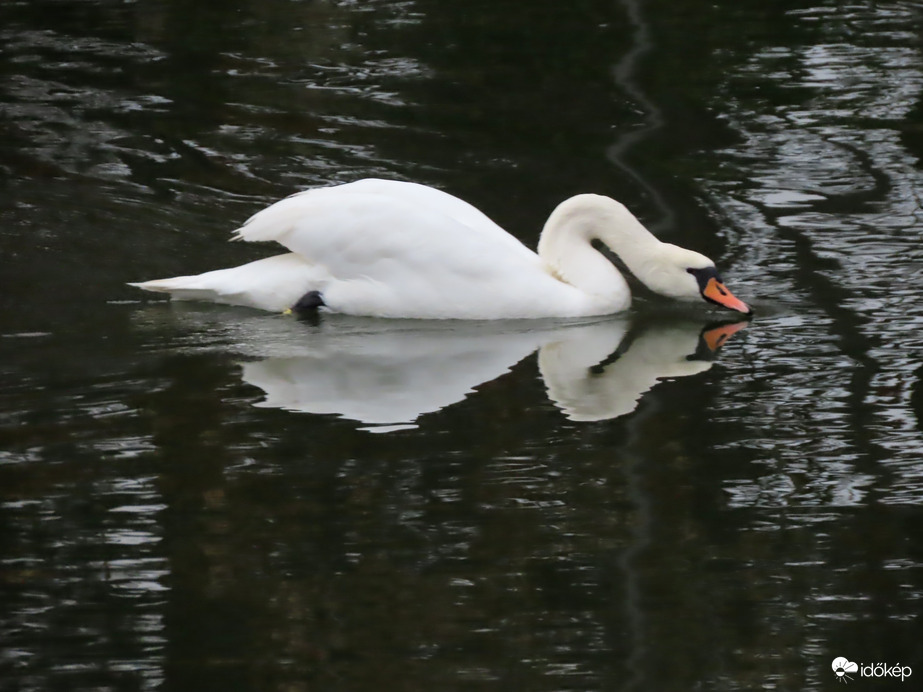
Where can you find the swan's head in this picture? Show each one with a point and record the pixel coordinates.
(667, 269)
(687, 275)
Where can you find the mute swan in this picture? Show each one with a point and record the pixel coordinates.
(395, 249)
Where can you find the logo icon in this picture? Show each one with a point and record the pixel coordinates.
(841, 667)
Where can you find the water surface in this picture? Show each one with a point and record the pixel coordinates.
(199, 497)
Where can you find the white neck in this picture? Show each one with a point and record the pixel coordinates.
(565, 246)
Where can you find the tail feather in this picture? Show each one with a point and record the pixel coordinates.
(273, 283)
(181, 288)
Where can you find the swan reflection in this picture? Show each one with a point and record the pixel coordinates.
(590, 379)
(387, 374)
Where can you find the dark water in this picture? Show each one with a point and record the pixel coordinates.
(196, 498)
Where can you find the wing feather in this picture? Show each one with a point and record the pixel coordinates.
(372, 228)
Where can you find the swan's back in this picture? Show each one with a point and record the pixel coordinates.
(346, 210)
(402, 249)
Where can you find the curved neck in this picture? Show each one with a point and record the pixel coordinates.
(565, 244)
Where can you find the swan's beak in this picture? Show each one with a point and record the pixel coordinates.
(287, 311)
(716, 292)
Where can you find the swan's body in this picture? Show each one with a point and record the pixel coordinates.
(393, 249)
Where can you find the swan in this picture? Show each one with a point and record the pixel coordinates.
(387, 248)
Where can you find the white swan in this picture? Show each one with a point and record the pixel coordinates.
(395, 249)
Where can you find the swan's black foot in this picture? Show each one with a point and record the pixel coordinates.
(308, 305)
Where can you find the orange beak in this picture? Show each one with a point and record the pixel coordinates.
(716, 337)
(716, 292)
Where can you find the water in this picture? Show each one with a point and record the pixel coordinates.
(197, 497)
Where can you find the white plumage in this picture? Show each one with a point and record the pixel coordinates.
(396, 249)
